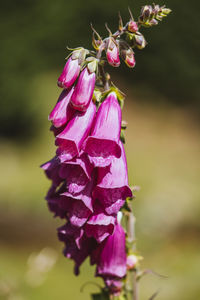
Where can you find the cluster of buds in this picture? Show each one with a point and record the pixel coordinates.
(89, 179)
(150, 15)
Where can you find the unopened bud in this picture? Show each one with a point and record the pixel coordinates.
(112, 53)
(153, 22)
(92, 65)
(132, 26)
(156, 9)
(146, 12)
(128, 56)
(131, 261)
(166, 11)
(140, 41)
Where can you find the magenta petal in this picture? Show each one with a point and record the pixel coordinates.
(100, 226)
(72, 137)
(77, 172)
(81, 205)
(103, 143)
(113, 189)
(78, 255)
(112, 258)
(53, 200)
(70, 73)
(69, 232)
(62, 111)
(51, 169)
(83, 91)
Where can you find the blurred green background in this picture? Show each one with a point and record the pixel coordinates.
(163, 146)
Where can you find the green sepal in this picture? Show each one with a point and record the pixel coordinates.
(92, 65)
(122, 136)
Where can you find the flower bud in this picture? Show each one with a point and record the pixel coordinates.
(132, 26)
(146, 12)
(128, 56)
(112, 53)
(140, 41)
(153, 22)
(83, 91)
(70, 73)
(131, 261)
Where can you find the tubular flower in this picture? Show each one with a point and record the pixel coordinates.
(83, 91)
(103, 143)
(69, 74)
(113, 189)
(70, 140)
(62, 111)
(77, 246)
(100, 226)
(77, 173)
(110, 256)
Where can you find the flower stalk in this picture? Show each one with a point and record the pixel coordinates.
(89, 177)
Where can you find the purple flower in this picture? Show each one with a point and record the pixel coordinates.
(51, 169)
(56, 131)
(113, 189)
(100, 226)
(62, 111)
(110, 256)
(77, 246)
(69, 74)
(112, 53)
(79, 206)
(83, 91)
(72, 137)
(103, 143)
(70, 232)
(77, 173)
(53, 198)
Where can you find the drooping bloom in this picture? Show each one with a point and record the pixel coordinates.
(112, 189)
(62, 111)
(77, 173)
(53, 198)
(77, 246)
(100, 226)
(79, 206)
(69, 74)
(51, 169)
(112, 53)
(70, 140)
(103, 143)
(83, 91)
(110, 256)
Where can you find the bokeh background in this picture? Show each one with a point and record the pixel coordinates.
(162, 141)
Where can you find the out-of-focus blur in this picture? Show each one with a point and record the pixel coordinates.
(162, 143)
